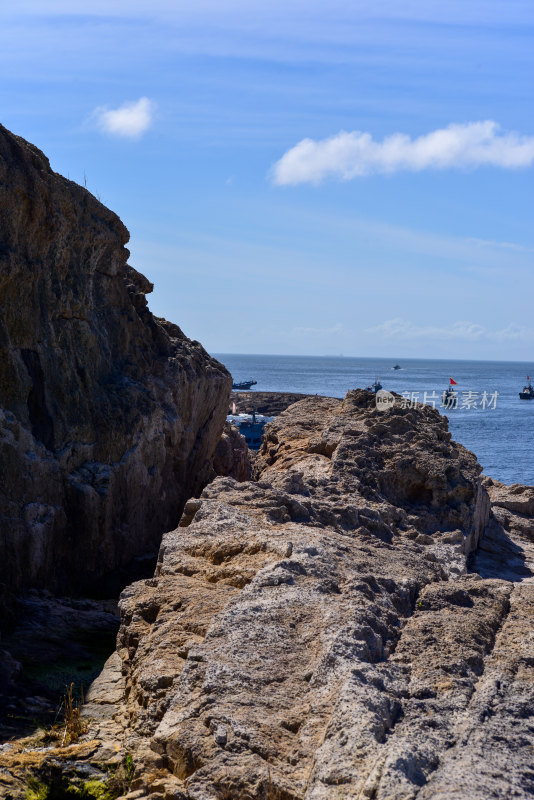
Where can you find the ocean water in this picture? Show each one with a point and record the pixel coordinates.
(502, 437)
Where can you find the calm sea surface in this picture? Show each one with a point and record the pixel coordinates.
(502, 437)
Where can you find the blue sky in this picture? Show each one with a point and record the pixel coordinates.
(419, 246)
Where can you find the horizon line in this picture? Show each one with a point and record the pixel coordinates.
(384, 358)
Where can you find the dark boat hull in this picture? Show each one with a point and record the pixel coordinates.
(244, 385)
(528, 391)
(252, 431)
(449, 399)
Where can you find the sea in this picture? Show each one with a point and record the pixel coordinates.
(490, 418)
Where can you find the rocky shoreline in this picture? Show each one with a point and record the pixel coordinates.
(269, 403)
(355, 623)
(346, 616)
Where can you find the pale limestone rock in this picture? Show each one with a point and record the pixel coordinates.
(318, 634)
(356, 624)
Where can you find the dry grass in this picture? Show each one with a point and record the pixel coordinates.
(73, 725)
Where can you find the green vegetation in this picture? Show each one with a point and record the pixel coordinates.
(62, 789)
(58, 786)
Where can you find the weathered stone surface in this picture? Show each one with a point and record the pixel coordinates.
(232, 456)
(278, 647)
(333, 630)
(269, 403)
(491, 749)
(108, 415)
(507, 549)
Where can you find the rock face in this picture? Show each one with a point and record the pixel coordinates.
(269, 403)
(108, 415)
(333, 630)
(232, 456)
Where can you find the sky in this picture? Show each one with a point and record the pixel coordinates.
(352, 177)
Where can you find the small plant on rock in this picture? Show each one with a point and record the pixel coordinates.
(120, 780)
(73, 724)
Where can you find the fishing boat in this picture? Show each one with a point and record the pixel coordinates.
(528, 391)
(374, 387)
(244, 385)
(449, 398)
(250, 426)
(397, 366)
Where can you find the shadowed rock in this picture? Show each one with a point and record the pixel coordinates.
(108, 415)
(231, 458)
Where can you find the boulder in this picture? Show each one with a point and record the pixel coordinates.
(269, 403)
(232, 456)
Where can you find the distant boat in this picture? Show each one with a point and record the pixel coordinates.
(250, 426)
(397, 367)
(374, 387)
(528, 391)
(244, 384)
(449, 398)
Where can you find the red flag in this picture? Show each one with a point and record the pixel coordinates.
(453, 382)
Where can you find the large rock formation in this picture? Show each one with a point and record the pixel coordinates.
(269, 403)
(357, 624)
(108, 415)
(232, 456)
(340, 629)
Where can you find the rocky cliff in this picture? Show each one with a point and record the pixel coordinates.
(356, 624)
(108, 415)
(269, 403)
(232, 458)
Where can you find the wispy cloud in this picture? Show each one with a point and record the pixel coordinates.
(399, 328)
(491, 243)
(336, 330)
(130, 120)
(349, 155)
(513, 333)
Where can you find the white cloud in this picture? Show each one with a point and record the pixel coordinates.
(513, 333)
(349, 155)
(130, 120)
(399, 328)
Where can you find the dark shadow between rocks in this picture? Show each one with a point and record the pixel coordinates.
(56, 643)
(498, 556)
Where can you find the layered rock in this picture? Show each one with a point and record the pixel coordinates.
(269, 403)
(109, 416)
(232, 456)
(317, 634)
(356, 624)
